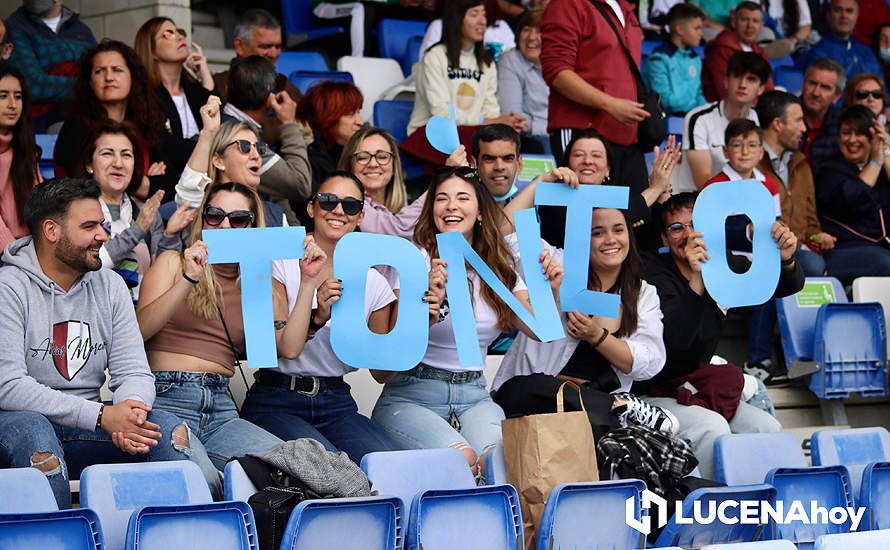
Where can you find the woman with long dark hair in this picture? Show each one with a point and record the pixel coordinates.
(19, 156)
(112, 86)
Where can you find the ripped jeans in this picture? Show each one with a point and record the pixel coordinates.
(24, 434)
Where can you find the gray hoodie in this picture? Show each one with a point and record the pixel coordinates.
(56, 345)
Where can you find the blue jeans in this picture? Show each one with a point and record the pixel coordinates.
(331, 417)
(763, 317)
(202, 400)
(24, 434)
(418, 414)
(848, 262)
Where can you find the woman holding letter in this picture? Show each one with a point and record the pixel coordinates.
(441, 403)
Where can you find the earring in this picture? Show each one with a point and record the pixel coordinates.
(607, 180)
(90, 171)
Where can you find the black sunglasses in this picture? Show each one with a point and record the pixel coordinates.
(238, 219)
(463, 172)
(329, 201)
(245, 145)
(862, 94)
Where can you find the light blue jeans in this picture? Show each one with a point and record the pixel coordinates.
(419, 413)
(202, 401)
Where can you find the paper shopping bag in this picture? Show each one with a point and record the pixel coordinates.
(544, 450)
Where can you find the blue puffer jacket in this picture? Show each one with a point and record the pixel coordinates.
(676, 75)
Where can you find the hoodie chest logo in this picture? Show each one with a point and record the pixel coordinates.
(71, 347)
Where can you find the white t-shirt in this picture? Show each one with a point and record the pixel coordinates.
(499, 33)
(53, 22)
(318, 357)
(186, 118)
(777, 12)
(441, 352)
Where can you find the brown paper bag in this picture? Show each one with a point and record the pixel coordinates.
(544, 450)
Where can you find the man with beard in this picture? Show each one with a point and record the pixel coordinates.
(63, 322)
(693, 324)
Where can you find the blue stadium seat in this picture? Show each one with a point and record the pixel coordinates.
(828, 485)
(700, 50)
(790, 78)
(236, 484)
(698, 535)
(797, 320)
(874, 496)
(406, 473)
(372, 522)
(304, 80)
(854, 448)
(395, 39)
(495, 467)
(392, 115)
(114, 491)
(412, 53)
(850, 346)
(213, 526)
(675, 125)
(650, 46)
(301, 61)
(864, 540)
(786, 61)
(566, 522)
(77, 529)
(478, 517)
(299, 27)
(759, 545)
(47, 143)
(15, 482)
(740, 459)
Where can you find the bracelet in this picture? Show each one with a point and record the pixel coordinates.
(99, 418)
(313, 326)
(876, 163)
(189, 279)
(602, 338)
(788, 262)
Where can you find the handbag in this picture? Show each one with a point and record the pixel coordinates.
(653, 130)
(543, 450)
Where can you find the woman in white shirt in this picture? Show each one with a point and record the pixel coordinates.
(441, 403)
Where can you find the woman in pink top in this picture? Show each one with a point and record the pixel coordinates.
(18, 154)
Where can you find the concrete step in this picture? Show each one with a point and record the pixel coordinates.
(208, 36)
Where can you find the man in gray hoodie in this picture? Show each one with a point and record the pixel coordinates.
(63, 322)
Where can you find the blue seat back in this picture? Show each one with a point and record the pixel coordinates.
(790, 78)
(412, 53)
(392, 115)
(297, 20)
(740, 459)
(395, 38)
(850, 345)
(874, 496)
(786, 61)
(300, 61)
(533, 166)
(495, 466)
(373, 522)
(16, 482)
(759, 545)
(477, 517)
(854, 448)
(114, 491)
(698, 535)
(406, 473)
(77, 529)
(675, 125)
(47, 144)
(650, 46)
(213, 526)
(304, 80)
(236, 484)
(797, 316)
(566, 522)
(828, 485)
(863, 540)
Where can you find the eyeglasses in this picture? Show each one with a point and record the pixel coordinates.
(738, 145)
(170, 34)
(238, 219)
(863, 94)
(676, 228)
(364, 157)
(244, 146)
(329, 201)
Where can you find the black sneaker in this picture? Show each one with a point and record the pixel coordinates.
(767, 371)
(637, 411)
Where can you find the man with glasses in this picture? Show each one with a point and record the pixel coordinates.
(706, 398)
(286, 175)
(839, 43)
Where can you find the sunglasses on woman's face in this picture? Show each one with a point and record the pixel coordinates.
(244, 146)
(238, 219)
(863, 94)
(329, 201)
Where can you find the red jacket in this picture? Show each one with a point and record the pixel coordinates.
(577, 37)
(717, 54)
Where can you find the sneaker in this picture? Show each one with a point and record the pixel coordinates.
(767, 371)
(636, 411)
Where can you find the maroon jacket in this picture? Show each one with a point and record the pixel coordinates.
(717, 54)
(578, 38)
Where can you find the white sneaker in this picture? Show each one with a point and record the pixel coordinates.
(637, 411)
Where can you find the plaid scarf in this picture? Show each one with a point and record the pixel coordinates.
(638, 452)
